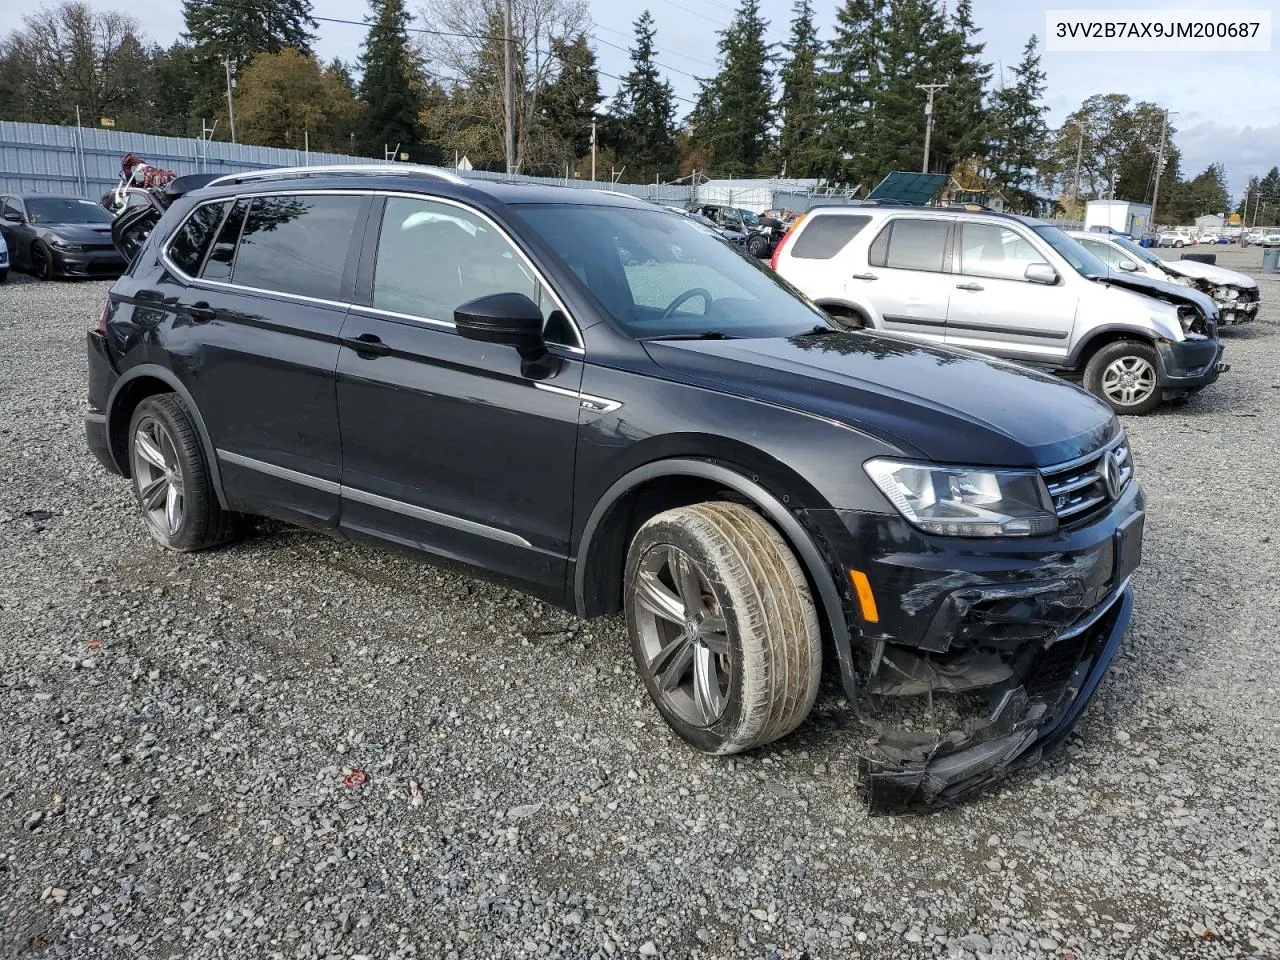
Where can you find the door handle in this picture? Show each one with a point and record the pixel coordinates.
(864, 276)
(368, 344)
(970, 286)
(199, 312)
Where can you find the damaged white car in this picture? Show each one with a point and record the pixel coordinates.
(1235, 293)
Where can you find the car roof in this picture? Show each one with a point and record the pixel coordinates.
(863, 209)
(415, 180)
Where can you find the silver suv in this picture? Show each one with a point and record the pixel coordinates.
(1010, 287)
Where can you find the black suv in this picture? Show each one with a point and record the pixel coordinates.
(603, 404)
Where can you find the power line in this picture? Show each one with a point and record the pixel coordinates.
(668, 53)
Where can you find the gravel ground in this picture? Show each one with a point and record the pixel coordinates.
(180, 735)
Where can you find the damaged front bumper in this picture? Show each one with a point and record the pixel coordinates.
(984, 654)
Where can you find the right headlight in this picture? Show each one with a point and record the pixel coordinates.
(966, 501)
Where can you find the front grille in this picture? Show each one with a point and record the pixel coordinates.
(1081, 487)
(1249, 296)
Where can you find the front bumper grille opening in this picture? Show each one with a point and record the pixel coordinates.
(1080, 488)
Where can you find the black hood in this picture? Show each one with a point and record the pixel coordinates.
(97, 233)
(946, 405)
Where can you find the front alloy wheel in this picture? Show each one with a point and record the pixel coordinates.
(723, 628)
(1124, 375)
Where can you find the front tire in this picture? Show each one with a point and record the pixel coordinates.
(758, 246)
(41, 261)
(4, 275)
(723, 628)
(171, 478)
(1125, 375)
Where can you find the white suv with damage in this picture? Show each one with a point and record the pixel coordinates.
(1009, 287)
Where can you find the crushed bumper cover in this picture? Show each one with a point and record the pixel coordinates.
(983, 654)
(1188, 365)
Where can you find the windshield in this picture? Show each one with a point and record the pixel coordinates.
(65, 210)
(749, 218)
(663, 276)
(1084, 262)
(1141, 254)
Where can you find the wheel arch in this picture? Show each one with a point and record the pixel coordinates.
(138, 383)
(840, 306)
(601, 553)
(1101, 337)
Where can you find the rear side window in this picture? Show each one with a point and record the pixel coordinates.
(297, 244)
(218, 266)
(911, 245)
(191, 241)
(824, 237)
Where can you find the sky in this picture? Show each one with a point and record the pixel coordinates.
(1223, 105)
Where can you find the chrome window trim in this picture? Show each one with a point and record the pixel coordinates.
(374, 499)
(539, 277)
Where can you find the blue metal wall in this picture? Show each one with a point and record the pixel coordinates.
(38, 158)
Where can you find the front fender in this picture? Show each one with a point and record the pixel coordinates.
(816, 565)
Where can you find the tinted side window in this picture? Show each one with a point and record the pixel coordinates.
(218, 266)
(987, 250)
(191, 240)
(434, 257)
(297, 244)
(824, 237)
(916, 245)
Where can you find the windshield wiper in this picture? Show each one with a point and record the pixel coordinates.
(818, 331)
(705, 335)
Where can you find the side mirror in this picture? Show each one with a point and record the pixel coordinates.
(511, 319)
(1041, 273)
(13, 216)
(1128, 266)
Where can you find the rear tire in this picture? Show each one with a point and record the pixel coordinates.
(171, 478)
(723, 628)
(1125, 375)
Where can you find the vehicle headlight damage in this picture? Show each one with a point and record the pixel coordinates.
(965, 501)
(1225, 294)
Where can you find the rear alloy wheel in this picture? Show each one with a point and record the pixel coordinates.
(1124, 375)
(723, 628)
(41, 261)
(171, 478)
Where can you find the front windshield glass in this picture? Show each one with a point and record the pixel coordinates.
(1084, 262)
(65, 210)
(749, 218)
(1139, 253)
(660, 275)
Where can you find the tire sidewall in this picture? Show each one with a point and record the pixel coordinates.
(1108, 355)
(41, 260)
(165, 409)
(758, 246)
(728, 728)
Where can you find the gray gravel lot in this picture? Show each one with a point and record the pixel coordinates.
(175, 732)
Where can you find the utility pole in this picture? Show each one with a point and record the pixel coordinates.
(593, 149)
(231, 109)
(1079, 155)
(1155, 193)
(928, 119)
(510, 93)
(1111, 185)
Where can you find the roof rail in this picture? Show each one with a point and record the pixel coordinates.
(339, 170)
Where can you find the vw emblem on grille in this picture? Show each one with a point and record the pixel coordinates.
(1110, 471)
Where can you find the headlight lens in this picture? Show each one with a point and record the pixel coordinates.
(966, 501)
(67, 245)
(1224, 293)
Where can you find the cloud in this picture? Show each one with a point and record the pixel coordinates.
(1245, 150)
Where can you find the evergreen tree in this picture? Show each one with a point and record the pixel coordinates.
(800, 141)
(391, 82)
(569, 102)
(960, 121)
(912, 35)
(643, 112)
(1018, 129)
(340, 70)
(850, 87)
(734, 115)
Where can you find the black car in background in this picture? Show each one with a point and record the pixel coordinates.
(59, 236)
(600, 402)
